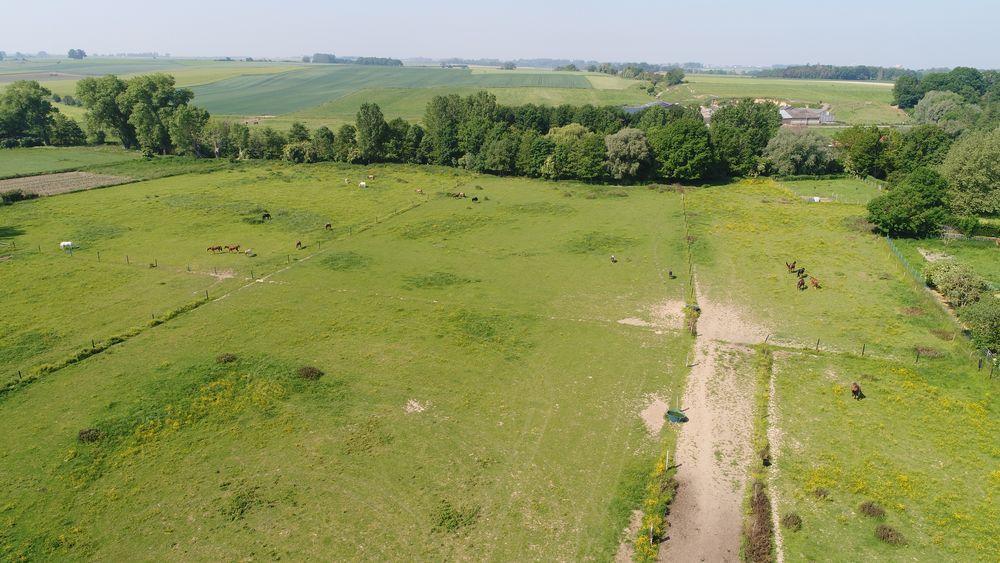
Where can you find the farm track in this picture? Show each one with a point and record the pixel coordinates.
(713, 448)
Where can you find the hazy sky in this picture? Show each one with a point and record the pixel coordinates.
(912, 33)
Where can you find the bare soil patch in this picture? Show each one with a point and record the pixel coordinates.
(653, 415)
(64, 182)
(932, 256)
(414, 406)
(626, 548)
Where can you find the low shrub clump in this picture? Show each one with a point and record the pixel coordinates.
(225, 358)
(821, 493)
(871, 509)
(309, 372)
(889, 535)
(660, 490)
(791, 521)
(89, 435)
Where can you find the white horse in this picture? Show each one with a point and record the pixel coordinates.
(363, 185)
(65, 245)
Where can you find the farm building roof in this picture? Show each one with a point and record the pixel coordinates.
(637, 109)
(789, 112)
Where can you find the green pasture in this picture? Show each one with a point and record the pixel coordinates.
(479, 395)
(38, 160)
(746, 232)
(851, 102)
(840, 190)
(922, 445)
(980, 255)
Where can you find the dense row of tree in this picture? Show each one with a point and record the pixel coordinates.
(831, 72)
(330, 58)
(76, 54)
(972, 85)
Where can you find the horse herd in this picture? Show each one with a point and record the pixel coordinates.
(801, 274)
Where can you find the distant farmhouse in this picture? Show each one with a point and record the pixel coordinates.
(805, 116)
(631, 110)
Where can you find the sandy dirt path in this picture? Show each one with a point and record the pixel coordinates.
(714, 447)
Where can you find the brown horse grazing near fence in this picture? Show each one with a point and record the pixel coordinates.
(216, 248)
(233, 247)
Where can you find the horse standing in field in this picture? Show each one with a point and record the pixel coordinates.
(419, 191)
(815, 282)
(614, 259)
(216, 248)
(800, 271)
(328, 226)
(233, 247)
(801, 285)
(371, 176)
(265, 217)
(298, 245)
(791, 267)
(856, 391)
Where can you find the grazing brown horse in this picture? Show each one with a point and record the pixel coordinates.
(265, 217)
(856, 391)
(233, 247)
(815, 282)
(371, 176)
(216, 248)
(298, 245)
(801, 285)
(791, 267)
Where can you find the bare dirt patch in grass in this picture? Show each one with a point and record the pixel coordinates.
(932, 256)
(652, 415)
(65, 182)
(414, 406)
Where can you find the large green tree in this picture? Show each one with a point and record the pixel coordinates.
(442, 120)
(372, 133)
(628, 154)
(25, 114)
(683, 150)
(972, 168)
(913, 208)
(799, 151)
(740, 133)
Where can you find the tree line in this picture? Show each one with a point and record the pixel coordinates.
(330, 58)
(832, 72)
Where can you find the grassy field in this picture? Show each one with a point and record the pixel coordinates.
(851, 102)
(839, 190)
(922, 444)
(982, 256)
(755, 227)
(479, 395)
(37, 160)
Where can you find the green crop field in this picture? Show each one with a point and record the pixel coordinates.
(485, 366)
(38, 160)
(851, 102)
(840, 190)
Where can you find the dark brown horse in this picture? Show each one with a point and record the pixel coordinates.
(233, 247)
(298, 245)
(856, 391)
(216, 248)
(801, 285)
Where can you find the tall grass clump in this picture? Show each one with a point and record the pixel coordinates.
(660, 492)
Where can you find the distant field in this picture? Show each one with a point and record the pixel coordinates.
(37, 160)
(852, 102)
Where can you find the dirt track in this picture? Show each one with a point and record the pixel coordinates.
(714, 448)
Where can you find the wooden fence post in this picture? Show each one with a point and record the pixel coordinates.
(863, 345)
(817, 344)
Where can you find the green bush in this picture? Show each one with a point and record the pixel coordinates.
(983, 319)
(958, 283)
